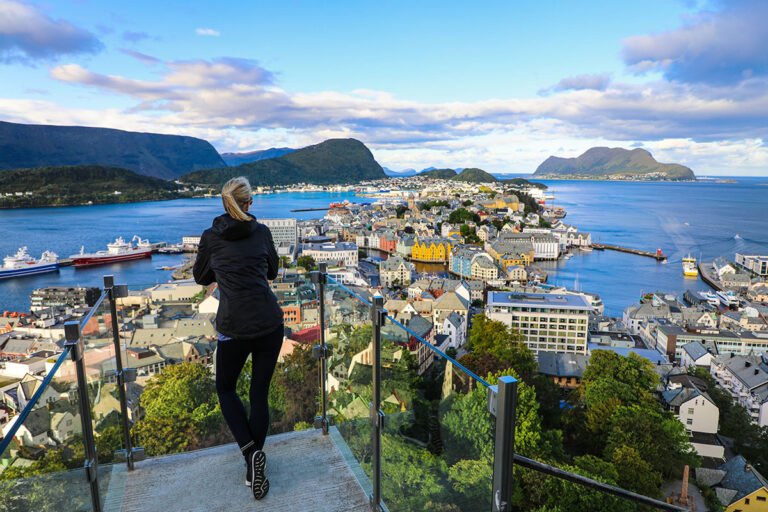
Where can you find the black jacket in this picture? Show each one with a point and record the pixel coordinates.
(240, 257)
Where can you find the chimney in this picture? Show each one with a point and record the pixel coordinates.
(757, 370)
(731, 354)
(747, 364)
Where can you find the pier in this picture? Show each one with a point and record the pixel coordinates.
(658, 255)
(310, 209)
(707, 274)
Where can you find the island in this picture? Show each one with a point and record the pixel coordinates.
(613, 164)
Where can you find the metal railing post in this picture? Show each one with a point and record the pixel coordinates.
(123, 375)
(378, 316)
(502, 402)
(75, 342)
(321, 351)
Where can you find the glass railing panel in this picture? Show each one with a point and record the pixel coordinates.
(42, 462)
(437, 445)
(99, 360)
(349, 334)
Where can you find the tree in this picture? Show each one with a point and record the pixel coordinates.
(307, 261)
(180, 410)
(462, 215)
(297, 376)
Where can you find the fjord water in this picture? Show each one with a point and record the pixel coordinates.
(703, 218)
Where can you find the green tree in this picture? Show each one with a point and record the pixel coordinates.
(180, 410)
(298, 378)
(307, 262)
(462, 215)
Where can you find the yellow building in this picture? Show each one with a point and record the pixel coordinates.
(431, 249)
(511, 259)
(739, 486)
(503, 202)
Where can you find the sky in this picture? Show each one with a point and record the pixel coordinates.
(495, 84)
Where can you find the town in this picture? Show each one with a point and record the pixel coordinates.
(447, 257)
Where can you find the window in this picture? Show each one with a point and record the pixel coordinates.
(689, 421)
(761, 498)
(690, 410)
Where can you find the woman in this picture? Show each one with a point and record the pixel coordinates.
(238, 254)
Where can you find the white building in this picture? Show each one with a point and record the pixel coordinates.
(455, 327)
(339, 253)
(395, 270)
(700, 416)
(746, 379)
(285, 235)
(754, 263)
(545, 247)
(548, 322)
(174, 292)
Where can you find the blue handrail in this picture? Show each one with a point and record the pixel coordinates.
(352, 292)
(441, 353)
(31, 404)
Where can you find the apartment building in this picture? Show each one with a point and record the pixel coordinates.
(548, 322)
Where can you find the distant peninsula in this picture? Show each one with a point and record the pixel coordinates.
(335, 161)
(613, 164)
(25, 146)
(81, 185)
(233, 159)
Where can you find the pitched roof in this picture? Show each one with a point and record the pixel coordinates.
(695, 350)
(741, 477)
(562, 364)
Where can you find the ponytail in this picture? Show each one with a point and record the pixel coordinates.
(236, 194)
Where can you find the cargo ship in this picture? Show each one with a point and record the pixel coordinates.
(117, 252)
(22, 264)
(689, 267)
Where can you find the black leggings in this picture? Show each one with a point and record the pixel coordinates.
(230, 358)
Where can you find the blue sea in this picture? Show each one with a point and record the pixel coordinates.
(706, 219)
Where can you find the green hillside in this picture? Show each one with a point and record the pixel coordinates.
(335, 161)
(613, 163)
(82, 184)
(474, 175)
(439, 174)
(150, 154)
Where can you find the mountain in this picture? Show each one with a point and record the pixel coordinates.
(399, 174)
(522, 182)
(334, 161)
(151, 154)
(439, 174)
(613, 163)
(233, 159)
(474, 175)
(80, 184)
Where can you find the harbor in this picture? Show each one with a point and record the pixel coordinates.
(658, 255)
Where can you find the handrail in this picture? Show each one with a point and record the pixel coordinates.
(588, 482)
(345, 288)
(441, 353)
(87, 318)
(32, 402)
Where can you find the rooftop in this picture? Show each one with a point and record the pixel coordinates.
(546, 300)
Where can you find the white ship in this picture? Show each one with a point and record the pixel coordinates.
(22, 264)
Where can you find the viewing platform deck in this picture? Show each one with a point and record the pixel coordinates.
(658, 256)
(306, 470)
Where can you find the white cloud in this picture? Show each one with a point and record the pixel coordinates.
(209, 32)
(28, 35)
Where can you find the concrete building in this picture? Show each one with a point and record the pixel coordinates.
(548, 322)
(339, 253)
(285, 235)
(758, 265)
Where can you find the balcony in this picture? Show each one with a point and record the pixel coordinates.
(377, 445)
(307, 471)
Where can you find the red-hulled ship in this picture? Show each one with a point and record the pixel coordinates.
(117, 252)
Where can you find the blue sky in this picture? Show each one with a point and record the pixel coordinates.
(498, 85)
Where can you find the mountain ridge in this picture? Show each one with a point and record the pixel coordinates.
(150, 154)
(331, 162)
(613, 163)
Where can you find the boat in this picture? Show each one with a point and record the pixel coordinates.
(689, 267)
(22, 264)
(117, 252)
(586, 248)
(728, 299)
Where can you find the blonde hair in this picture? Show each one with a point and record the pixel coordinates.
(236, 194)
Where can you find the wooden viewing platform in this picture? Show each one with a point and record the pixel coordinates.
(658, 256)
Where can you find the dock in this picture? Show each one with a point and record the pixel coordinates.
(706, 273)
(309, 209)
(658, 256)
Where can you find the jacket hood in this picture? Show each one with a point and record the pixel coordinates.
(230, 229)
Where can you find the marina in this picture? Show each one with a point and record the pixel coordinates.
(658, 255)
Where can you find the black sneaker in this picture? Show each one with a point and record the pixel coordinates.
(259, 482)
(248, 472)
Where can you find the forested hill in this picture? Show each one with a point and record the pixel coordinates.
(151, 154)
(334, 161)
(81, 184)
(613, 163)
